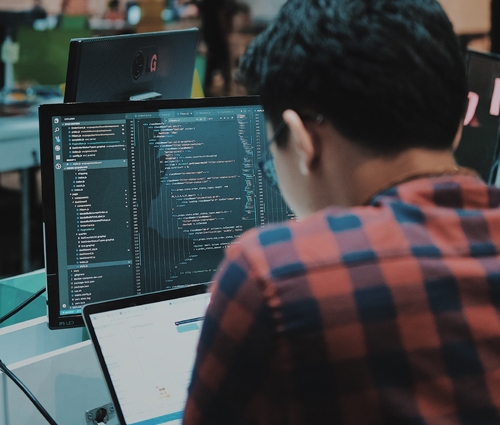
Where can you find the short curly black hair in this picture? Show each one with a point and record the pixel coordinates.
(388, 74)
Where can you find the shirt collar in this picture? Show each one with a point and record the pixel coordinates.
(412, 175)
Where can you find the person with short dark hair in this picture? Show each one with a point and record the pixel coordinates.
(381, 304)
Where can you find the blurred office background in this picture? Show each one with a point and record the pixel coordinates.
(35, 37)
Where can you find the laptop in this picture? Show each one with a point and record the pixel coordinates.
(146, 347)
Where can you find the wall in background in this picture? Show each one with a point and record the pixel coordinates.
(468, 16)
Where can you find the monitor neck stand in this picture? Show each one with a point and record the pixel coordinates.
(145, 96)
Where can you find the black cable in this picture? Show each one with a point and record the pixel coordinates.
(28, 393)
(22, 305)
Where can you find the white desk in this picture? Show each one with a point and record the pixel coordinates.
(60, 369)
(67, 382)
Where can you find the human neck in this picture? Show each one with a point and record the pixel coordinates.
(357, 176)
(377, 174)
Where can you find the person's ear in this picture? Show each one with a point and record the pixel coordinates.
(301, 141)
(458, 136)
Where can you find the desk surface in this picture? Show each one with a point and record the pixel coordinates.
(15, 290)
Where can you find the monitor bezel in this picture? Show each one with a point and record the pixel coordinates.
(46, 112)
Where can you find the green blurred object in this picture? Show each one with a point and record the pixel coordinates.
(77, 22)
(43, 55)
(15, 290)
(200, 66)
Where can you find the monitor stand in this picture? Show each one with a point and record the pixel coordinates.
(145, 96)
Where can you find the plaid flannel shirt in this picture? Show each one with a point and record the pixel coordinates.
(381, 314)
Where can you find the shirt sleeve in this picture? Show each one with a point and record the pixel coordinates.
(234, 350)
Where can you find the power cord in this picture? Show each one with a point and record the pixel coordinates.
(22, 305)
(28, 393)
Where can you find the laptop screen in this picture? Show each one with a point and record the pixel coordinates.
(144, 196)
(147, 353)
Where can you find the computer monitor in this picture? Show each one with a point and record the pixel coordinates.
(144, 196)
(478, 145)
(132, 67)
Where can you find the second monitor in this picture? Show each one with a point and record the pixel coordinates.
(132, 67)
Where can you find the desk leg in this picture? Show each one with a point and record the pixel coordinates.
(25, 220)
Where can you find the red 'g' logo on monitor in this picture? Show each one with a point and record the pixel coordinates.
(145, 64)
(152, 63)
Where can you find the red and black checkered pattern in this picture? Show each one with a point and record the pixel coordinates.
(381, 314)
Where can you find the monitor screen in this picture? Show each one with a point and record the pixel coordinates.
(144, 196)
(477, 148)
(132, 67)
